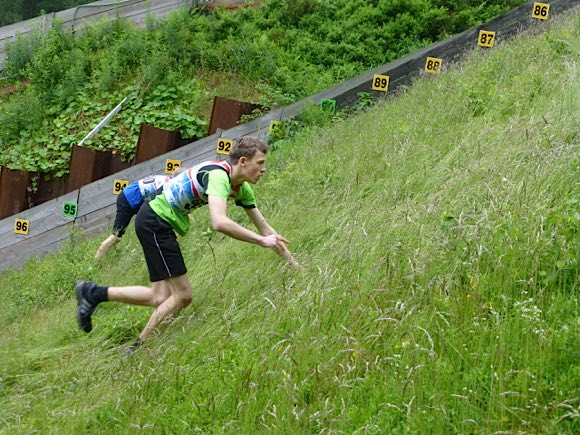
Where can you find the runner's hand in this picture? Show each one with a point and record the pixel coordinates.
(273, 240)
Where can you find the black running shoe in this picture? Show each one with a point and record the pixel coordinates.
(85, 308)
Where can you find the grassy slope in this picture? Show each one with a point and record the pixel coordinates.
(440, 232)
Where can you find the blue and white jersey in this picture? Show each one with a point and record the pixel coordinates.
(149, 186)
(187, 191)
(145, 189)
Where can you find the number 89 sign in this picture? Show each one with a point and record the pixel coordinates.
(380, 83)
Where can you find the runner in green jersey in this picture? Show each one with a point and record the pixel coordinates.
(158, 222)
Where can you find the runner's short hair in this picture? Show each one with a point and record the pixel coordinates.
(247, 146)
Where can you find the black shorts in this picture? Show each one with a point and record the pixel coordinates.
(124, 214)
(159, 242)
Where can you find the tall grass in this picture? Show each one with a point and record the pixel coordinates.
(440, 235)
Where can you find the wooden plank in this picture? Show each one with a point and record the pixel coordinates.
(403, 70)
(44, 217)
(15, 256)
(83, 16)
(98, 220)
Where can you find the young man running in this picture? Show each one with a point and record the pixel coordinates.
(157, 222)
(129, 201)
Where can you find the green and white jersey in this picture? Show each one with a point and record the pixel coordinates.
(190, 190)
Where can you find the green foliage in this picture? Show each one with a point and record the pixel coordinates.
(19, 54)
(440, 293)
(284, 50)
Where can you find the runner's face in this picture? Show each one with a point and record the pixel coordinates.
(255, 167)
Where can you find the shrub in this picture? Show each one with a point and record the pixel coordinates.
(20, 52)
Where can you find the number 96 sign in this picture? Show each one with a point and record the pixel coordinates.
(21, 226)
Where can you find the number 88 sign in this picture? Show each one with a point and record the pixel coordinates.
(432, 65)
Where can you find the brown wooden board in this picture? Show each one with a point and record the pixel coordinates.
(117, 164)
(48, 190)
(14, 195)
(86, 166)
(44, 217)
(155, 141)
(227, 113)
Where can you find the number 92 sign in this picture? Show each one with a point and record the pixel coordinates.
(224, 146)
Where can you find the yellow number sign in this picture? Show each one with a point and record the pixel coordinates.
(486, 38)
(21, 226)
(119, 185)
(224, 146)
(380, 83)
(540, 11)
(432, 65)
(171, 166)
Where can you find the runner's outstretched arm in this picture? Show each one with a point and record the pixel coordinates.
(222, 223)
(265, 229)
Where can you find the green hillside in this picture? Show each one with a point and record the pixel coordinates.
(440, 232)
(57, 87)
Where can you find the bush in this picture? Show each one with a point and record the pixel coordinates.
(20, 52)
(21, 116)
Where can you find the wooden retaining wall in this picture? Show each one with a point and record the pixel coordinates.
(49, 229)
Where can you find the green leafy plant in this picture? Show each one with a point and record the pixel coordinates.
(282, 51)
